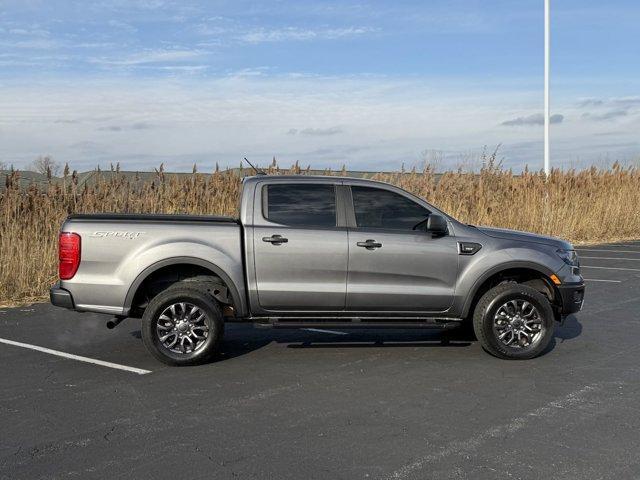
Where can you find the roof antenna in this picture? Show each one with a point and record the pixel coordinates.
(258, 171)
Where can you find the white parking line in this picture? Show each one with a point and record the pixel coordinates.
(608, 251)
(611, 268)
(611, 258)
(325, 331)
(601, 280)
(550, 412)
(79, 358)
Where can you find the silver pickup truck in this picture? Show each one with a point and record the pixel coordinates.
(317, 251)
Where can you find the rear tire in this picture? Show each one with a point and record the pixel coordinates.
(514, 321)
(183, 325)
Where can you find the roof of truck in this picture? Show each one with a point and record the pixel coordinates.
(309, 178)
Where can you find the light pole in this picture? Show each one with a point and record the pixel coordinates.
(547, 167)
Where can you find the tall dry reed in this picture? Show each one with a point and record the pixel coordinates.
(582, 206)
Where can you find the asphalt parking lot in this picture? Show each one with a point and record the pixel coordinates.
(284, 404)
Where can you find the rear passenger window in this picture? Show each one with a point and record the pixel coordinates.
(300, 205)
(378, 208)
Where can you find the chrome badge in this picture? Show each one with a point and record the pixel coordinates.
(106, 234)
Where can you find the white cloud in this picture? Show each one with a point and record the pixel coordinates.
(627, 101)
(120, 128)
(151, 57)
(389, 122)
(610, 109)
(300, 34)
(535, 119)
(609, 115)
(316, 131)
(363, 122)
(35, 43)
(122, 26)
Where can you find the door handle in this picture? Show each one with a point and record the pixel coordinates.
(275, 239)
(369, 244)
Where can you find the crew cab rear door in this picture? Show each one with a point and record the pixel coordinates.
(394, 265)
(300, 251)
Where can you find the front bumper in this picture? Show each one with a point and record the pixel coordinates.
(61, 297)
(572, 297)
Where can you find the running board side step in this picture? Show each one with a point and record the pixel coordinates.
(354, 324)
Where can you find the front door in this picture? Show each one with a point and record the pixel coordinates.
(394, 264)
(300, 252)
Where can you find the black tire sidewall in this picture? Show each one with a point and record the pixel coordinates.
(491, 302)
(182, 294)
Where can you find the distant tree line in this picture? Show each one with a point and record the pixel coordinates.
(44, 164)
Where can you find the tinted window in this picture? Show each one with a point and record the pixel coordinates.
(377, 208)
(304, 205)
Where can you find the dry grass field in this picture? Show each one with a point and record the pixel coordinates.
(582, 206)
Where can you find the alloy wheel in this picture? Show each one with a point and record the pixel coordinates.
(518, 324)
(182, 328)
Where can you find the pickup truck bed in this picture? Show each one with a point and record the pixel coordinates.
(120, 251)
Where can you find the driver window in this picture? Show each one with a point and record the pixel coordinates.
(378, 208)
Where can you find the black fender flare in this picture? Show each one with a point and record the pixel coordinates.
(238, 301)
(538, 267)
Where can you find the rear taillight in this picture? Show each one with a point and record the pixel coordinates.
(68, 254)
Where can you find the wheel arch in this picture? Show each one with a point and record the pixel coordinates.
(237, 299)
(534, 274)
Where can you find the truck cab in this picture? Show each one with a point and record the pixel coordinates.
(345, 247)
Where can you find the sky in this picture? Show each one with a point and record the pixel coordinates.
(370, 85)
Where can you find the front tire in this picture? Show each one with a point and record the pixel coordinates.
(182, 325)
(514, 321)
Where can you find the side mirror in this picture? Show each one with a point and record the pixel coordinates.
(437, 225)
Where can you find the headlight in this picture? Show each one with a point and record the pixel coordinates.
(570, 257)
